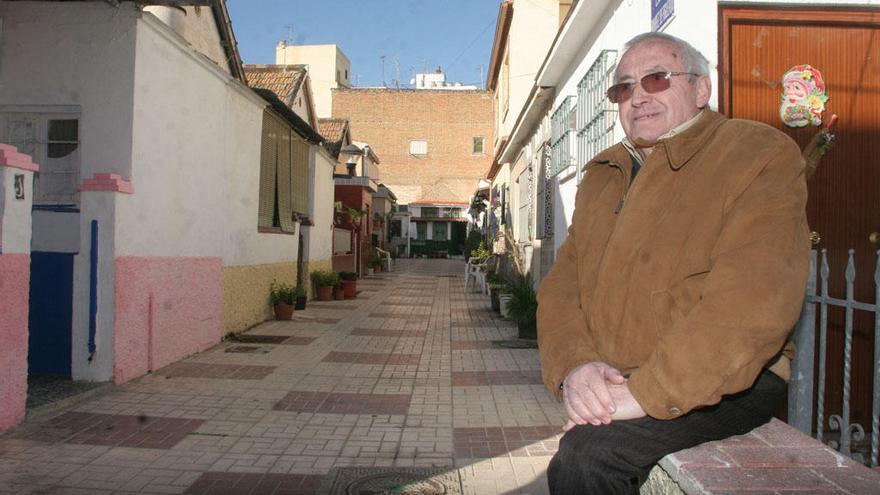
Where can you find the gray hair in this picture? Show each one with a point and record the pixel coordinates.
(691, 59)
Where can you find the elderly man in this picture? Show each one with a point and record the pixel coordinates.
(688, 255)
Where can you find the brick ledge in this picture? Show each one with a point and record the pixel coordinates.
(772, 457)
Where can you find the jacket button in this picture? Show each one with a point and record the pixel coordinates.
(674, 411)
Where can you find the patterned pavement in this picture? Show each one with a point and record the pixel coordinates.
(405, 375)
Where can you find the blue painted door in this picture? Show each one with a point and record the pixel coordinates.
(51, 313)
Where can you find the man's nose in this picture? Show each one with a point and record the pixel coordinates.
(639, 95)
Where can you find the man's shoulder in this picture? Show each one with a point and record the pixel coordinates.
(754, 132)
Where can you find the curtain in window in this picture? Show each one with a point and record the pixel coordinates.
(268, 166)
(300, 175)
(285, 210)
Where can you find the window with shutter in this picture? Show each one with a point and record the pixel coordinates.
(268, 166)
(300, 176)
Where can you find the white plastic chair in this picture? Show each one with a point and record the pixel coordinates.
(387, 256)
(476, 270)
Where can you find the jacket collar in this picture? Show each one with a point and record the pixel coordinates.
(679, 147)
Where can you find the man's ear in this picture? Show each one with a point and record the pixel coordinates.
(704, 91)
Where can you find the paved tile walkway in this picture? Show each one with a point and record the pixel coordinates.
(403, 376)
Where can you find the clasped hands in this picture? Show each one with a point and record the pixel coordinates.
(596, 393)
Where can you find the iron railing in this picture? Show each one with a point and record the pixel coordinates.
(800, 394)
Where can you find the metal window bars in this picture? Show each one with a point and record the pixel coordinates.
(561, 140)
(595, 114)
(800, 395)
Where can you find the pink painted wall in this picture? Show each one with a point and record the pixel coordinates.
(14, 280)
(166, 309)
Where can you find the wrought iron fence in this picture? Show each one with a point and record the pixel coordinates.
(800, 395)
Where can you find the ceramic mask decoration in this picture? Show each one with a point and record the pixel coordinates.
(803, 96)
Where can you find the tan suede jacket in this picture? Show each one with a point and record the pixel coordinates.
(690, 278)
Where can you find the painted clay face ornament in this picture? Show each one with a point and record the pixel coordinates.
(803, 96)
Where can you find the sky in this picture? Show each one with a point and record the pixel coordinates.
(412, 35)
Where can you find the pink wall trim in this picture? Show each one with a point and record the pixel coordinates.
(106, 182)
(10, 157)
(166, 310)
(14, 280)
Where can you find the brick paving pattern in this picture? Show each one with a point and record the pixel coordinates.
(211, 483)
(407, 378)
(230, 371)
(116, 430)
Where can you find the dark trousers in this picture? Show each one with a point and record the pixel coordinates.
(616, 458)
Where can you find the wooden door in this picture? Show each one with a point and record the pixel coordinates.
(757, 46)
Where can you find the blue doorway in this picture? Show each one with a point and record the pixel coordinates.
(51, 313)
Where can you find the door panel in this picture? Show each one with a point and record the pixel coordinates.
(758, 46)
(51, 313)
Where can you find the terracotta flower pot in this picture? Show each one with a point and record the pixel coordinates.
(283, 311)
(325, 293)
(350, 288)
(339, 294)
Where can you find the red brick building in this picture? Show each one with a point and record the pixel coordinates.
(434, 144)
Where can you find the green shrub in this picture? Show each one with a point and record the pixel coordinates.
(348, 276)
(281, 293)
(299, 291)
(523, 306)
(324, 278)
(474, 239)
(481, 252)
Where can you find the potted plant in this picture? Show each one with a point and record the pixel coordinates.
(523, 307)
(504, 297)
(495, 284)
(338, 291)
(349, 284)
(376, 261)
(299, 297)
(281, 297)
(324, 281)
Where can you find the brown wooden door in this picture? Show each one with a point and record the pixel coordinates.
(757, 46)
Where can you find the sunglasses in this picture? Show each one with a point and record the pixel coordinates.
(652, 83)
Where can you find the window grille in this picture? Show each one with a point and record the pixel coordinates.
(562, 128)
(524, 217)
(595, 114)
(544, 229)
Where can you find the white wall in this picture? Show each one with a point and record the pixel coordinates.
(319, 237)
(197, 26)
(532, 29)
(323, 62)
(87, 48)
(195, 160)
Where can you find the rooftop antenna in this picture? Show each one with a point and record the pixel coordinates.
(287, 42)
(383, 69)
(397, 70)
(482, 84)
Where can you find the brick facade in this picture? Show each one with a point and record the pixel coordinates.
(387, 119)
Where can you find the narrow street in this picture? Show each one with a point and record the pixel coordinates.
(405, 376)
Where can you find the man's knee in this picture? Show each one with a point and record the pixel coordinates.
(589, 460)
